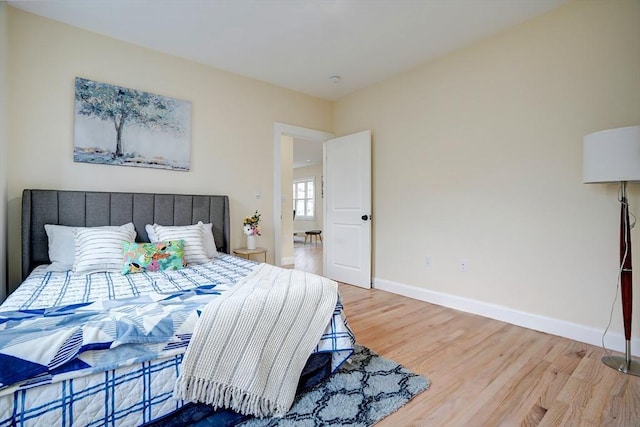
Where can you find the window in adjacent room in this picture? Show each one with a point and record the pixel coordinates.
(304, 198)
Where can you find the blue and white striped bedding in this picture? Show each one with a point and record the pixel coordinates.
(139, 390)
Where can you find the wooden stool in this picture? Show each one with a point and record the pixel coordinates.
(311, 234)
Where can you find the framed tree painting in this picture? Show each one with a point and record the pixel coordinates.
(119, 126)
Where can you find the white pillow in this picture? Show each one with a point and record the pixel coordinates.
(62, 246)
(100, 248)
(207, 237)
(151, 233)
(194, 250)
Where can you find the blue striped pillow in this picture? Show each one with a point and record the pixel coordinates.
(207, 237)
(194, 247)
(100, 249)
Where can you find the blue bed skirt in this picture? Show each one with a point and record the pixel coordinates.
(317, 369)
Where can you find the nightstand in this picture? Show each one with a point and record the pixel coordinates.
(248, 252)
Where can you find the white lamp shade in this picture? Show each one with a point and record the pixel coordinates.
(612, 155)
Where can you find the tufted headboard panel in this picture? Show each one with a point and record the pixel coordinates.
(92, 209)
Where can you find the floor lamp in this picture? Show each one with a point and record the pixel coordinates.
(614, 156)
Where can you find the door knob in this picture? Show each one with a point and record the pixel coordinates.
(365, 217)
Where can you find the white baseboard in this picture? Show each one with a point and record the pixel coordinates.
(288, 261)
(563, 328)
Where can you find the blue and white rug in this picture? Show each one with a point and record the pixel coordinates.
(358, 394)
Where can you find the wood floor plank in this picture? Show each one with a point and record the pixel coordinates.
(484, 372)
(489, 373)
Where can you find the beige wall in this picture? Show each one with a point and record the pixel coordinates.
(3, 144)
(478, 156)
(231, 128)
(315, 172)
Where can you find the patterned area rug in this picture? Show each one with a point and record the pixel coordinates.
(360, 393)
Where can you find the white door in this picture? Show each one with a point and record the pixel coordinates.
(347, 199)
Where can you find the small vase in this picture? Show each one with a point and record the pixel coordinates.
(251, 241)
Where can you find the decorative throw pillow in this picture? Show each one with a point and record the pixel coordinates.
(194, 250)
(62, 245)
(158, 256)
(207, 237)
(100, 249)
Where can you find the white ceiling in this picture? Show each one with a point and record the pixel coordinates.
(306, 153)
(297, 44)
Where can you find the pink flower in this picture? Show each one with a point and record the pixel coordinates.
(153, 266)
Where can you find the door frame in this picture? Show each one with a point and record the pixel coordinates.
(280, 129)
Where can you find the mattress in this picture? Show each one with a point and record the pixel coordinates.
(138, 391)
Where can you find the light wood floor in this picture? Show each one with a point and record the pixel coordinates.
(488, 373)
(308, 257)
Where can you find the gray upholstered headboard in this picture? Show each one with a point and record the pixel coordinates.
(91, 209)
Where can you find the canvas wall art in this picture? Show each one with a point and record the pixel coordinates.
(119, 126)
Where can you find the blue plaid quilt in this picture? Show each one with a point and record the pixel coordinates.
(91, 337)
(110, 351)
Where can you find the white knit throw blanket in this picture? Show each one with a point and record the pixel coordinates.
(250, 346)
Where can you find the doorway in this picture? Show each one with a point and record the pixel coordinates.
(283, 134)
(308, 205)
(347, 211)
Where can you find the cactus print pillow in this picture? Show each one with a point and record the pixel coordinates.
(158, 256)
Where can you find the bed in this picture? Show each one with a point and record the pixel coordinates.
(125, 379)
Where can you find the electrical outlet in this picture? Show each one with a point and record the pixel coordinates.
(464, 265)
(427, 261)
